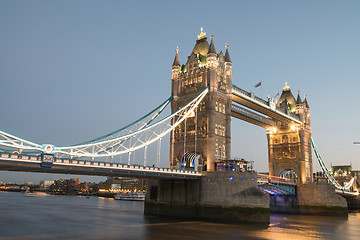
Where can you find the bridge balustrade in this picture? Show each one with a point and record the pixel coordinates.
(261, 101)
(91, 164)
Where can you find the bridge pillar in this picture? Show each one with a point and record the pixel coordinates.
(289, 144)
(320, 199)
(219, 196)
(207, 132)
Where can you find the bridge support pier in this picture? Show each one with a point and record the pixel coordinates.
(231, 197)
(320, 199)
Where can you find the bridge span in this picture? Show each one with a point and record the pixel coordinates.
(51, 164)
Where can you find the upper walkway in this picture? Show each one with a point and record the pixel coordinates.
(271, 112)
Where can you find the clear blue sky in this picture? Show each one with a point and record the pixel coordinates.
(74, 70)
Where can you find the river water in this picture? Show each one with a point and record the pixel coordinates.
(70, 217)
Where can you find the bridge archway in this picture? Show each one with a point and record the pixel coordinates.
(289, 174)
(190, 160)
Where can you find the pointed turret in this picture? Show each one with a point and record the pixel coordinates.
(175, 68)
(176, 60)
(227, 55)
(306, 102)
(211, 55)
(212, 46)
(298, 99)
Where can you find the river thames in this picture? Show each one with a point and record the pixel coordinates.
(72, 217)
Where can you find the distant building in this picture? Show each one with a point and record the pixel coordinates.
(125, 184)
(73, 185)
(45, 185)
(66, 185)
(342, 174)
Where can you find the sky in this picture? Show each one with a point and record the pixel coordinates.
(74, 70)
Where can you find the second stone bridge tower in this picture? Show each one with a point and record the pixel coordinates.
(205, 137)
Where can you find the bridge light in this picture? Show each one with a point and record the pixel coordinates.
(231, 178)
(192, 114)
(292, 128)
(274, 130)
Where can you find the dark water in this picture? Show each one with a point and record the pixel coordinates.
(67, 217)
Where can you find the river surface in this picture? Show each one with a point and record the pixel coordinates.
(70, 217)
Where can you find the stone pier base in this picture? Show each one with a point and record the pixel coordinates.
(320, 199)
(231, 197)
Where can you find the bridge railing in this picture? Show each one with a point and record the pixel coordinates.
(250, 95)
(252, 115)
(261, 101)
(262, 178)
(21, 157)
(87, 163)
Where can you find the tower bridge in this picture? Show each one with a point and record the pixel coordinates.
(203, 100)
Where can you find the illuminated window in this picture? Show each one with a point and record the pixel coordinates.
(217, 149)
(200, 79)
(202, 106)
(216, 106)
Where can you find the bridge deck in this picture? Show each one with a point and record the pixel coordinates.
(25, 163)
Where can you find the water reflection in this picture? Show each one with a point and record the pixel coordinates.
(65, 217)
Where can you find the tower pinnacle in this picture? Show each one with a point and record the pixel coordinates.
(176, 60)
(286, 88)
(212, 46)
(298, 100)
(202, 34)
(227, 55)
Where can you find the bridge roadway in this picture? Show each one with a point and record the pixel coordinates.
(27, 163)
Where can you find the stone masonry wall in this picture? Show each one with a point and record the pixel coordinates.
(320, 199)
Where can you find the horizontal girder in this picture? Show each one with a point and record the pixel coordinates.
(255, 103)
(26, 163)
(251, 117)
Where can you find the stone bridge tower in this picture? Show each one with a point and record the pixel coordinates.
(205, 137)
(289, 146)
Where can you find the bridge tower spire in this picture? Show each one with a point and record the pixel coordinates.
(209, 129)
(289, 145)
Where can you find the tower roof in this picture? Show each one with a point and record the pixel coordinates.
(287, 96)
(227, 55)
(298, 100)
(212, 46)
(176, 60)
(306, 102)
(202, 45)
